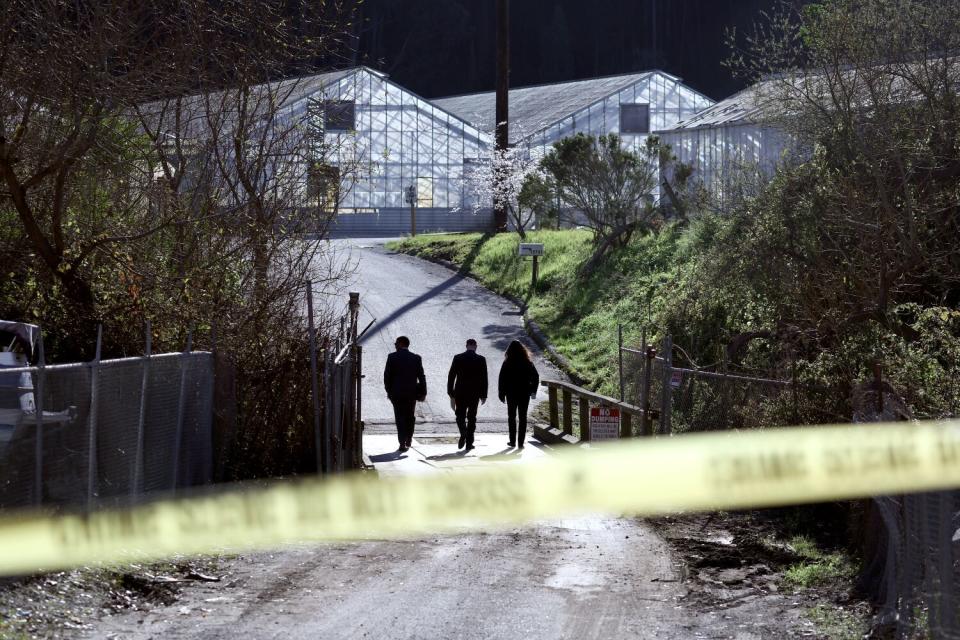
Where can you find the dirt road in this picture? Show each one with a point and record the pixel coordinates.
(585, 577)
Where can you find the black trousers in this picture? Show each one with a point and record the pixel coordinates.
(403, 414)
(517, 417)
(467, 416)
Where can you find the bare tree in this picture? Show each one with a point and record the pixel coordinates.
(75, 168)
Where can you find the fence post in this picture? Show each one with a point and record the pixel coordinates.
(638, 389)
(554, 409)
(878, 383)
(181, 409)
(796, 395)
(646, 423)
(314, 382)
(329, 410)
(353, 439)
(620, 356)
(584, 405)
(725, 391)
(92, 421)
(136, 487)
(358, 422)
(567, 412)
(38, 411)
(666, 394)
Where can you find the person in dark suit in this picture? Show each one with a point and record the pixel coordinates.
(517, 384)
(405, 383)
(467, 385)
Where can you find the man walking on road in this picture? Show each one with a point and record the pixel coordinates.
(467, 385)
(405, 383)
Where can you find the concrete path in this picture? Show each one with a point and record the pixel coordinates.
(433, 453)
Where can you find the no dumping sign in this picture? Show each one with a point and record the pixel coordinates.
(604, 423)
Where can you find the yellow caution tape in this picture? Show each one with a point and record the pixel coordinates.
(644, 477)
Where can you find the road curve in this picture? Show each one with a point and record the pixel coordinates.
(438, 310)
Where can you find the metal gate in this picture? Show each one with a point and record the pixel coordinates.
(336, 376)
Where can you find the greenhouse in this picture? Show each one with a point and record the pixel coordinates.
(381, 140)
(726, 145)
(631, 106)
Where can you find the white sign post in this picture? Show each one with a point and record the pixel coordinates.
(535, 250)
(531, 249)
(604, 423)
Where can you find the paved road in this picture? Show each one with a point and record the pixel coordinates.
(438, 310)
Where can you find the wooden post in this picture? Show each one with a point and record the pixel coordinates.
(567, 412)
(533, 281)
(626, 424)
(584, 403)
(413, 218)
(554, 409)
(501, 126)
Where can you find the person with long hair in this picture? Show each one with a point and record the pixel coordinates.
(517, 384)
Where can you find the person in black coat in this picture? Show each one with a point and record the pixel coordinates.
(405, 383)
(467, 385)
(518, 383)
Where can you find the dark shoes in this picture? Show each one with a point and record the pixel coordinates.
(511, 444)
(463, 441)
(469, 446)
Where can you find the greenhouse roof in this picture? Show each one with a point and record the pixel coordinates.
(533, 108)
(737, 109)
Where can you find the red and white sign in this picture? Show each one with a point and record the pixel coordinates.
(676, 377)
(604, 423)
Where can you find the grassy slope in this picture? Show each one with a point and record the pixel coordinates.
(580, 316)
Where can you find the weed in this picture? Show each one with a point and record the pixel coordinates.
(817, 569)
(838, 623)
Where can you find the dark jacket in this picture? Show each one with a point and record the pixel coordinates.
(403, 376)
(468, 376)
(518, 378)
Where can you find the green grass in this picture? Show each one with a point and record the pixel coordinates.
(817, 568)
(579, 315)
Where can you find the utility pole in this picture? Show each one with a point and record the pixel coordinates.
(502, 135)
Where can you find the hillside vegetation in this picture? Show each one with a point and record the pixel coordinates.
(579, 315)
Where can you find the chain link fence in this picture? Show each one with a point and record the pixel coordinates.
(914, 572)
(103, 433)
(911, 557)
(687, 399)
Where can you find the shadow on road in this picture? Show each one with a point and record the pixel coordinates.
(432, 293)
(387, 457)
(506, 454)
(448, 456)
(501, 335)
